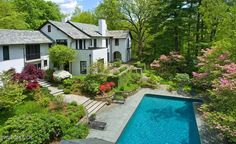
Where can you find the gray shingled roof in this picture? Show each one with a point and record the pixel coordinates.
(89, 29)
(70, 30)
(119, 33)
(9, 37)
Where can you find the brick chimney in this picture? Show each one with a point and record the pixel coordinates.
(102, 27)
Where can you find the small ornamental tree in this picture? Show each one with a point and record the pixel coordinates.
(60, 55)
(29, 76)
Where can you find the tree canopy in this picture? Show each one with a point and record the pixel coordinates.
(60, 55)
(27, 14)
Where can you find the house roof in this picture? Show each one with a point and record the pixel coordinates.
(69, 30)
(9, 37)
(89, 29)
(119, 33)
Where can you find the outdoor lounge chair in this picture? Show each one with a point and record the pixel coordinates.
(97, 125)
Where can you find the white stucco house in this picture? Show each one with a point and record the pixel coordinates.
(21, 47)
(93, 43)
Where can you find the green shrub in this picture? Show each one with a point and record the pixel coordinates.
(68, 82)
(67, 91)
(182, 79)
(61, 87)
(35, 128)
(76, 132)
(11, 95)
(91, 83)
(29, 107)
(140, 65)
(117, 63)
(135, 77)
(42, 96)
(75, 112)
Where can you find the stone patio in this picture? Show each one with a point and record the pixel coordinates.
(117, 115)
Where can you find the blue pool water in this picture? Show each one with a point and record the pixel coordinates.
(161, 120)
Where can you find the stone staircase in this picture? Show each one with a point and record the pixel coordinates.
(91, 106)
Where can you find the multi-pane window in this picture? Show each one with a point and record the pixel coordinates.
(116, 42)
(6, 55)
(61, 42)
(83, 67)
(32, 51)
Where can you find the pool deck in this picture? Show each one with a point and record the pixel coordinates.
(117, 115)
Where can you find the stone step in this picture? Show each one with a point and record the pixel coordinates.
(93, 107)
(87, 102)
(55, 92)
(90, 105)
(58, 93)
(97, 108)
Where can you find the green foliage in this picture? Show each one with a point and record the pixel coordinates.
(11, 95)
(60, 87)
(35, 128)
(67, 91)
(110, 10)
(29, 107)
(182, 79)
(60, 55)
(91, 83)
(139, 64)
(117, 63)
(37, 11)
(76, 132)
(85, 17)
(75, 112)
(10, 18)
(42, 96)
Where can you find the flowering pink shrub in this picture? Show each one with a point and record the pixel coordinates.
(218, 71)
(168, 65)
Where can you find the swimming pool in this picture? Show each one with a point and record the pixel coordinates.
(161, 120)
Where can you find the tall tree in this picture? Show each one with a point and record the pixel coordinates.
(110, 10)
(137, 13)
(10, 18)
(38, 11)
(84, 17)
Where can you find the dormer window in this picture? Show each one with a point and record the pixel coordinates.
(49, 28)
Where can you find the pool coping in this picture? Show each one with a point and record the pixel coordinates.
(116, 124)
